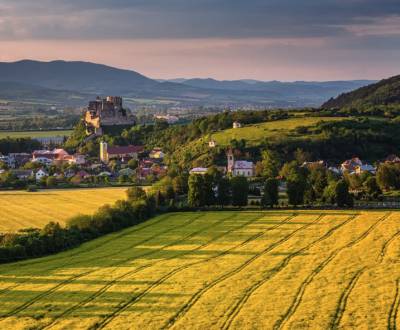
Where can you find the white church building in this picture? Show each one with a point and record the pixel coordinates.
(239, 167)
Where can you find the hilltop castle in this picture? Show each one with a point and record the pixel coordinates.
(106, 112)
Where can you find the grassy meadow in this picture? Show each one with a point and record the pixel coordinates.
(217, 270)
(20, 209)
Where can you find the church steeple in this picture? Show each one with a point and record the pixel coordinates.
(231, 160)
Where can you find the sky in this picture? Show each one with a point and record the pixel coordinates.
(224, 39)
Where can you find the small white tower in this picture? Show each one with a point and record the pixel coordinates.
(103, 152)
(231, 161)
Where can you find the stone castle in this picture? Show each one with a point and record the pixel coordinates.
(106, 112)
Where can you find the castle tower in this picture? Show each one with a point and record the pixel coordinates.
(103, 152)
(231, 161)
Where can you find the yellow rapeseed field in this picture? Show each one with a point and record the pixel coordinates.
(20, 209)
(218, 270)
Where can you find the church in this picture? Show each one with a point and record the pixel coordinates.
(239, 167)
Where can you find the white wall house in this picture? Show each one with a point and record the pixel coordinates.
(40, 175)
(236, 124)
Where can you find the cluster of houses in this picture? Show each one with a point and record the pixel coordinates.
(353, 166)
(148, 163)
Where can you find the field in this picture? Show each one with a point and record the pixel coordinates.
(217, 270)
(254, 134)
(34, 134)
(20, 209)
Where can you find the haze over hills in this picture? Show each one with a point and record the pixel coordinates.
(385, 92)
(79, 81)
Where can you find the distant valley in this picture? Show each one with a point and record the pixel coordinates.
(72, 84)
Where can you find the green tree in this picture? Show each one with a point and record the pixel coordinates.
(51, 181)
(208, 190)
(343, 196)
(133, 164)
(196, 196)
(386, 177)
(296, 188)
(271, 194)
(135, 193)
(240, 191)
(371, 187)
(270, 163)
(223, 192)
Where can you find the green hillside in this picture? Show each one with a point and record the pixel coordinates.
(217, 270)
(383, 93)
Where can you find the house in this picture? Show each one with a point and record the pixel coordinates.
(239, 167)
(392, 159)
(237, 124)
(7, 160)
(199, 170)
(212, 143)
(122, 153)
(365, 168)
(39, 175)
(156, 153)
(19, 159)
(56, 156)
(316, 164)
(351, 164)
(75, 159)
(43, 160)
(22, 174)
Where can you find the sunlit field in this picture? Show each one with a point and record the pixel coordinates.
(20, 209)
(217, 270)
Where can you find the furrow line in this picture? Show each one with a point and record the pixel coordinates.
(300, 293)
(134, 299)
(239, 305)
(386, 246)
(344, 297)
(394, 308)
(108, 285)
(182, 311)
(73, 278)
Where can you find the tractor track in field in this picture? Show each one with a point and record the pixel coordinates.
(300, 293)
(28, 263)
(386, 246)
(136, 270)
(239, 305)
(135, 299)
(394, 308)
(341, 307)
(182, 311)
(73, 278)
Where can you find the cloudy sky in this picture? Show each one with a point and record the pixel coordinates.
(224, 39)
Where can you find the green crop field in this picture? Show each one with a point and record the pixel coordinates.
(217, 270)
(34, 134)
(20, 209)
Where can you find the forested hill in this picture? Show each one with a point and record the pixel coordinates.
(383, 93)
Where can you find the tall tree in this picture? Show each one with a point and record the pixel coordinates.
(240, 191)
(223, 192)
(271, 194)
(196, 193)
(295, 191)
(270, 163)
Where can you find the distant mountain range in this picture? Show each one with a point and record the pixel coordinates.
(73, 83)
(384, 92)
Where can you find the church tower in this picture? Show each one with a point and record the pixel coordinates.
(231, 160)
